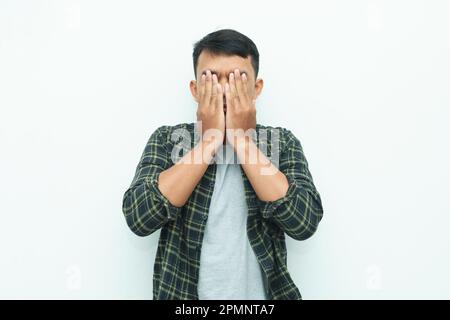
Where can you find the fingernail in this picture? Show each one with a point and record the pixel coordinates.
(244, 76)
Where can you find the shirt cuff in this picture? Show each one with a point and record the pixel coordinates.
(268, 208)
(152, 183)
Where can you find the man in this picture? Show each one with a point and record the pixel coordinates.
(223, 222)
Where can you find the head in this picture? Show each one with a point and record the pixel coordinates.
(223, 51)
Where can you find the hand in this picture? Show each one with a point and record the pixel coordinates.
(241, 108)
(210, 109)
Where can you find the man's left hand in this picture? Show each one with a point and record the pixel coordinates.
(241, 108)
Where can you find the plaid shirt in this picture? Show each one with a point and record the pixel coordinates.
(177, 261)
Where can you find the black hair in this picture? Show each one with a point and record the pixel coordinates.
(227, 42)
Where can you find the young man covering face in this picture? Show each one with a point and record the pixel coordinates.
(226, 202)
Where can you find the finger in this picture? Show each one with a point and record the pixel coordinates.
(239, 84)
(208, 87)
(201, 87)
(228, 96)
(219, 102)
(214, 91)
(245, 84)
(233, 92)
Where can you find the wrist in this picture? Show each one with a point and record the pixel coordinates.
(241, 143)
(209, 148)
(242, 149)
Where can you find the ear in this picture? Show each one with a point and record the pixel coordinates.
(193, 88)
(259, 84)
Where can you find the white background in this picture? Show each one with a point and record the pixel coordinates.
(363, 84)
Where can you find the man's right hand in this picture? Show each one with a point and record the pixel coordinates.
(210, 109)
(177, 182)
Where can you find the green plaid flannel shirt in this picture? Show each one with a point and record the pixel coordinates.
(177, 260)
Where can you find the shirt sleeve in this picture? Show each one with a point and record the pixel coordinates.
(145, 208)
(299, 212)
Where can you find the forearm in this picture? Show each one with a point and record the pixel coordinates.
(288, 195)
(178, 182)
(269, 183)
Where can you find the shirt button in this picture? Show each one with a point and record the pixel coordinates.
(205, 216)
(211, 184)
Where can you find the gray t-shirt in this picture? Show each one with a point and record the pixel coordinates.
(229, 268)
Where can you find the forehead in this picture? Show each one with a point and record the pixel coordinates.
(223, 64)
